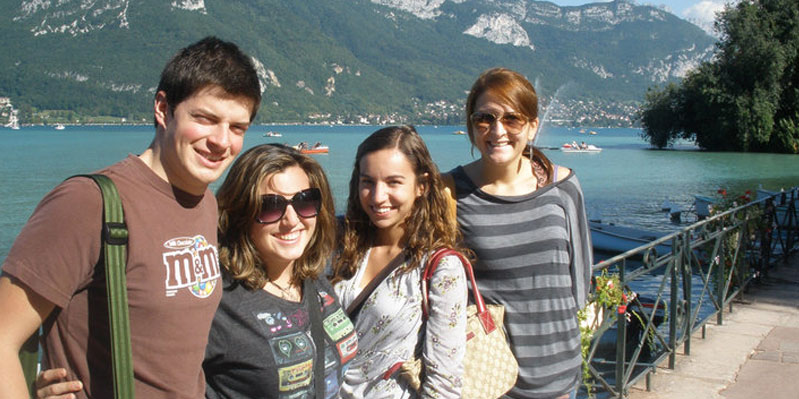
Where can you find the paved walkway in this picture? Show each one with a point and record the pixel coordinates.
(753, 355)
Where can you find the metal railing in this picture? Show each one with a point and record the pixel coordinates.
(679, 292)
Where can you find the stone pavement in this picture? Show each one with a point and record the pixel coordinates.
(754, 354)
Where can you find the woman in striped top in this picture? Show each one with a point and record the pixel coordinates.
(525, 219)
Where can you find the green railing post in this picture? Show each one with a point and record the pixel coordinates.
(621, 356)
(720, 268)
(687, 284)
(790, 224)
(621, 338)
(673, 301)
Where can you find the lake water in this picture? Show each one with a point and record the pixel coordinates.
(625, 184)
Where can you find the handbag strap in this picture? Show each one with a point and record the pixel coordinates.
(484, 316)
(452, 202)
(315, 315)
(357, 303)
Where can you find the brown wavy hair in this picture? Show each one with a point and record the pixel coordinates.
(517, 92)
(428, 225)
(240, 202)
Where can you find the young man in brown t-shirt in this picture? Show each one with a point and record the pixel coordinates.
(207, 97)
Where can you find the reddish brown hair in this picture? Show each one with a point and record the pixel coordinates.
(516, 91)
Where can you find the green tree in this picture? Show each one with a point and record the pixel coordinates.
(746, 98)
(662, 121)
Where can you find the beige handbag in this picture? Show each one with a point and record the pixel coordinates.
(490, 369)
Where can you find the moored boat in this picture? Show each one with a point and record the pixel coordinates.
(702, 206)
(618, 239)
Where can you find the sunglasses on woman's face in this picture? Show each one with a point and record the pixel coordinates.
(513, 121)
(306, 204)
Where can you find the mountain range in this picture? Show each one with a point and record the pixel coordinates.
(345, 61)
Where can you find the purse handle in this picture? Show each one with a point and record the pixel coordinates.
(482, 312)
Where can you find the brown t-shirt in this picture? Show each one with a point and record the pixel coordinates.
(172, 276)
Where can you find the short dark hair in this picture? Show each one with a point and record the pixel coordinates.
(210, 62)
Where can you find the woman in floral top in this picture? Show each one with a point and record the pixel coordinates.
(396, 217)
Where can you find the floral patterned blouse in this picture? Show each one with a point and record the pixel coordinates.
(390, 327)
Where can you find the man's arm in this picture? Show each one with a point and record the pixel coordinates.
(22, 312)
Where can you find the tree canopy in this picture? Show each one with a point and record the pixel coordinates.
(747, 97)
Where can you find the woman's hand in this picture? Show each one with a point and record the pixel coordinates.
(52, 384)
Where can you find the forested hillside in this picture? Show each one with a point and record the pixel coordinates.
(341, 61)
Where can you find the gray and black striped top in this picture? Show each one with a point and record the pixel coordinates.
(534, 257)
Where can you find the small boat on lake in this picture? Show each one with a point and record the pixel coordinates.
(574, 147)
(608, 237)
(317, 148)
(272, 134)
(59, 127)
(459, 132)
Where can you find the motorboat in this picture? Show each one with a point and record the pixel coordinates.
(322, 149)
(59, 127)
(272, 134)
(459, 132)
(574, 147)
(608, 237)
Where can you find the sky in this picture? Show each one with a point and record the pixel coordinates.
(700, 12)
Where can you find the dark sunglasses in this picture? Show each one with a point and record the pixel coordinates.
(513, 121)
(306, 203)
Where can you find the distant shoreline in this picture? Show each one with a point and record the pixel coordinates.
(53, 125)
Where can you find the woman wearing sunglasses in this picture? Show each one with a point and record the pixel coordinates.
(525, 220)
(276, 233)
(396, 216)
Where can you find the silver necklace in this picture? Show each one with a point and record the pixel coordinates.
(287, 292)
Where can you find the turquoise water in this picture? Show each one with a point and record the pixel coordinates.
(626, 183)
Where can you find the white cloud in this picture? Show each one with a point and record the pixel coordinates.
(704, 13)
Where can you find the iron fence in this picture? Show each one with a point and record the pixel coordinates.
(710, 264)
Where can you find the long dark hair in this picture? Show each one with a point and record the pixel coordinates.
(428, 225)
